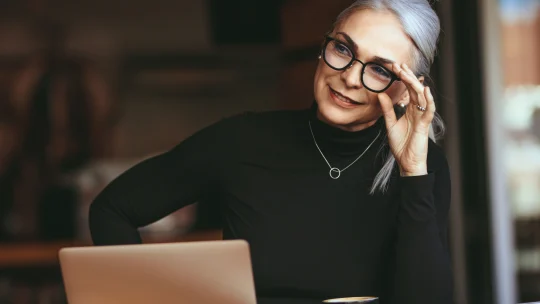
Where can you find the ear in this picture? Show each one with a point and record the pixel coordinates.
(404, 98)
(421, 79)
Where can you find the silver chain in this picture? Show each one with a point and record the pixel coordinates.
(334, 170)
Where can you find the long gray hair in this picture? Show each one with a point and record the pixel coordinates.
(421, 24)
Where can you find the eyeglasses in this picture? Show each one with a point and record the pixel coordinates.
(374, 77)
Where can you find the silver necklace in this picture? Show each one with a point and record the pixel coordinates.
(334, 172)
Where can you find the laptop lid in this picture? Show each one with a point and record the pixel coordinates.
(187, 272)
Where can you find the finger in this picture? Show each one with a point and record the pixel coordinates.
(396, 69)
(430, 108)
(430, 100)
(415, 87)
(408, 69)
(412, 80)
(388, 110)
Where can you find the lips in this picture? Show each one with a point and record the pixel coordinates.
(342, 98)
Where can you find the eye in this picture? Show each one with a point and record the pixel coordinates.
(342, 49)
(380, 71)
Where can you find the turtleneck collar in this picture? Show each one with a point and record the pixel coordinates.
(344, 143)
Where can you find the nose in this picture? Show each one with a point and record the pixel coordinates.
(351, 76)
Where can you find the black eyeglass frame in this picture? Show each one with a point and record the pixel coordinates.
(393, 76)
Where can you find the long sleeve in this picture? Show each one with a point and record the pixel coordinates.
(422, 270)
(155, 188)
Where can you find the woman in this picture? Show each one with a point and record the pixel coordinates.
(342, 199)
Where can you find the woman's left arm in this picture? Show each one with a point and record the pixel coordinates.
(422, 270)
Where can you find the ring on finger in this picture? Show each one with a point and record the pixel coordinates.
(423, 109)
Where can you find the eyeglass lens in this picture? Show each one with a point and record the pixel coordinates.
(373, 76)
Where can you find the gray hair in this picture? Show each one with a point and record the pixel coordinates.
(421, 24)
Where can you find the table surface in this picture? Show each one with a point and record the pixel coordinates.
(46, 253)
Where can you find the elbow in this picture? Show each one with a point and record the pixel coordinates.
(108, 223)
(96, 214)
(99, 214)
(103, 218)
(100, 208)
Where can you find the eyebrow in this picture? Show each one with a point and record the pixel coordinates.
(377, 59)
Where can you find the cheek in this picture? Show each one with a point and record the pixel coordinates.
(373, 98)
(323, 75)
(318, 74)
(318, 83)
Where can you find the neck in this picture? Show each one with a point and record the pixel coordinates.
(343, 140)
(352, 127)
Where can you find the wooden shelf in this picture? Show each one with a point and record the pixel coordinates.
(34, 254)
(46, 254)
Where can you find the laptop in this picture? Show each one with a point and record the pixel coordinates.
(206, 272)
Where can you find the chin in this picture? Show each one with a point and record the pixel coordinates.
(337, 116)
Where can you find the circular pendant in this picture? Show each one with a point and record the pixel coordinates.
(335, 173)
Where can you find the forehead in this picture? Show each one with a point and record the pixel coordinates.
(378, 33)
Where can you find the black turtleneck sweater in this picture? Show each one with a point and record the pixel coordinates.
(311, 237)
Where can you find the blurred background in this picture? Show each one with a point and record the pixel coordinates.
(89, 88)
